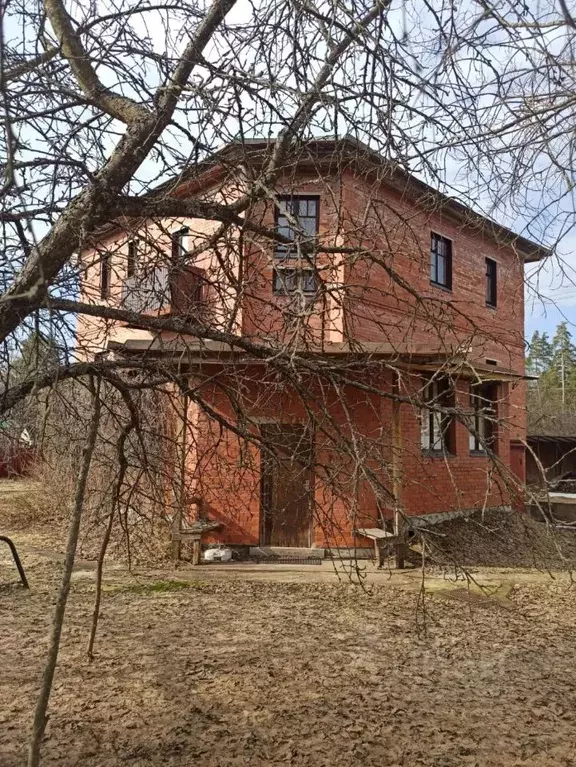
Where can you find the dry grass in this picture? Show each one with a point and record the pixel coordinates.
(224, 671)
(42, 503)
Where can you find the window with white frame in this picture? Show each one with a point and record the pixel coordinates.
(482, 430)
(437, 425)
(180, 242)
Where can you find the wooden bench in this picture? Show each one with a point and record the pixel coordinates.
(194, 532)
(381, 539)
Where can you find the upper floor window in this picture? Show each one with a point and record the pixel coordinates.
(441, 261)
(180, 242)
(105, 274)
(436, 426)
(297, 219)
(132, 259)
(491, 283)
(482, 422)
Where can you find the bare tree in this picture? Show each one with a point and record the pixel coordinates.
(152, 153)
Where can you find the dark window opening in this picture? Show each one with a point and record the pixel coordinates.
(132, 261)
(491, 282)
(482, 434)
(297, 219)
(287, 281)
(105, 269)
(180, 243)
(441, 261)
(437, 427)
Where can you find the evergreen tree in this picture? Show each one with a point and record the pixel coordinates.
(539, 359)
(559, 379)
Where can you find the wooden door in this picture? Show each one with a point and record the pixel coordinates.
(287, 489)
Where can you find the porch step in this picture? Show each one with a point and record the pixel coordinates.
(285, 552)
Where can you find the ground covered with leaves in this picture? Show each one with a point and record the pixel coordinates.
(195, 670)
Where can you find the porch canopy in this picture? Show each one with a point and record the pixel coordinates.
(190, 351)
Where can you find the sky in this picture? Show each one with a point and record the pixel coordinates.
(551, 291)
(546, 318)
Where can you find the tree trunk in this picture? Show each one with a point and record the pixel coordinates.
(40, 717)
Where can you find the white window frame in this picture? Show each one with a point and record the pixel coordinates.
(435, 425)
(482, 431)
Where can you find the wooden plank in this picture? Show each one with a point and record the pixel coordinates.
(196, 552)
(375, 533)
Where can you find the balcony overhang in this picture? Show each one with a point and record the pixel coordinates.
(417, 358)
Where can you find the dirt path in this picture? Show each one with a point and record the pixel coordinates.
(36, 548)
(232, 667)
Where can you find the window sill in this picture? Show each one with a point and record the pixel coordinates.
(439, 285)
(438, 454)
(477, 453)
(491, 306)
(307, 296)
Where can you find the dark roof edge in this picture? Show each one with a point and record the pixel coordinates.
(395, 177)
(528, 249)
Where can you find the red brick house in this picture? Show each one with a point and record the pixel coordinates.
(379, 371)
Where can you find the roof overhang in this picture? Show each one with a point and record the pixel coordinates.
(336, 155)
(417, 358)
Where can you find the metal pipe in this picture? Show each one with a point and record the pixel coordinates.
(16, 560)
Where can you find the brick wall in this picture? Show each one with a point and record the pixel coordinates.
(388, 298)
(353, 458)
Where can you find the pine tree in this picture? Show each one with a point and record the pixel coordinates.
(561, 375)
(539, 359)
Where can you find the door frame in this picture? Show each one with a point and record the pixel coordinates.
(312, 491)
